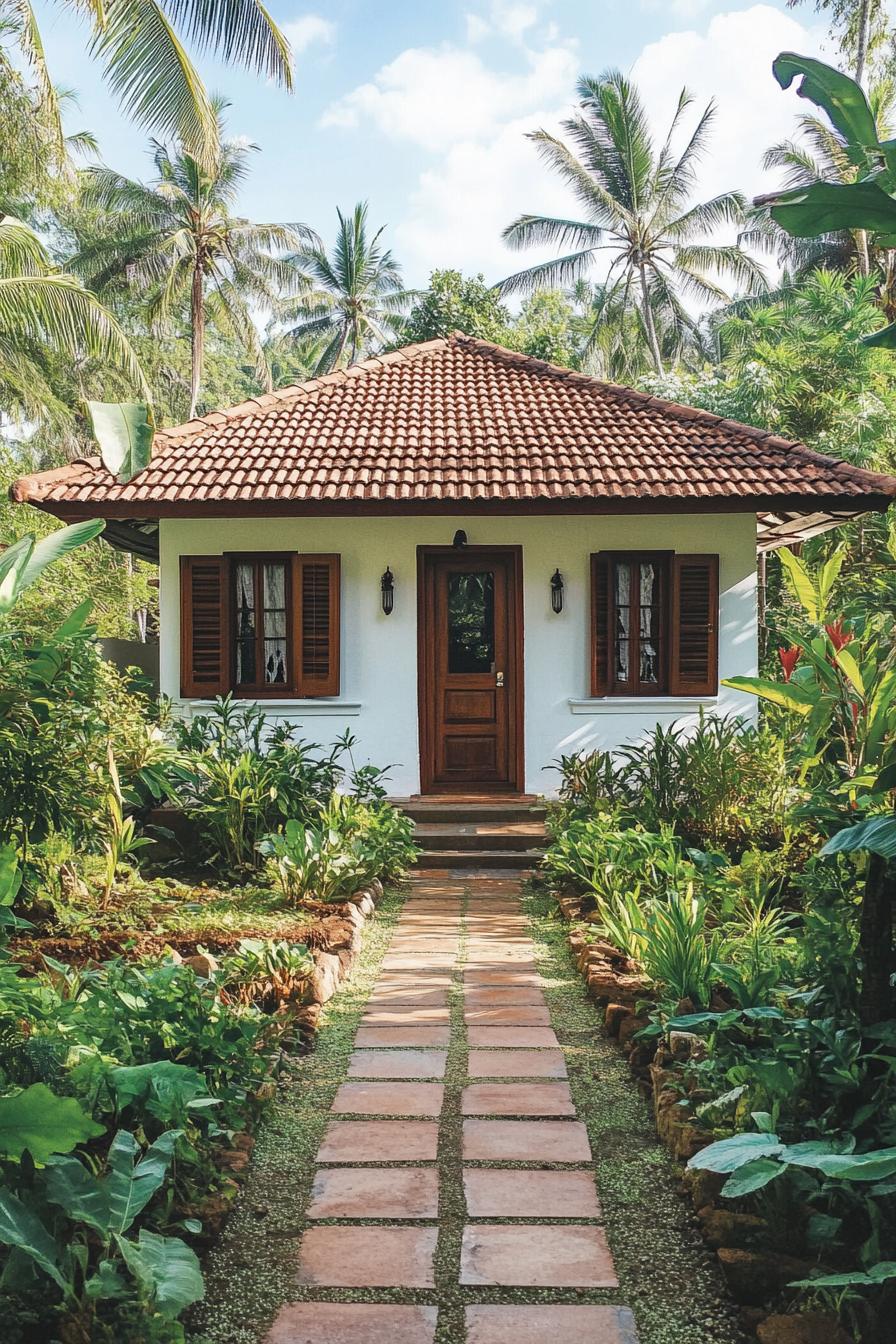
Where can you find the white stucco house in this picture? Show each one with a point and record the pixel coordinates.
(474, 560)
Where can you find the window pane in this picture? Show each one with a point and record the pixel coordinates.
(648, 625)
(622, 631)
(275, 662)
(245, 625)
(471, 622)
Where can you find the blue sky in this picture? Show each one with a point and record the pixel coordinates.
(421, 107)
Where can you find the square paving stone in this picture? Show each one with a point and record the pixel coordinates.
(385, 1012)
(532, 1256)
(379, 1192)
(352, 1323)
(526, 1141)
(507, 1038)
(418, 996)
(516, 1099)
(351, 1141)
(516, 1064)
(389, 1099)
(498, 975)
(367, 1257)
(413, 1036)
(533, 1015)
(521, 1015)
(397, 1064)
(496, 1192)
(504, 996)
(547, 1325)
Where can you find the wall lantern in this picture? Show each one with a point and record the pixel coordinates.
(460, 539)
(387, 586)
(557, 592)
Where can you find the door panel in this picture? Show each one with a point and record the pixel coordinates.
(470, 670)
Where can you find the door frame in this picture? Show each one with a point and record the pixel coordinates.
(426, 669)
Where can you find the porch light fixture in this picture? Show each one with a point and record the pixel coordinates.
(460, 539)
(557, 592)
(387, 588)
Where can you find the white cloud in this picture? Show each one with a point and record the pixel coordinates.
(731, 63)
(439, 97)
(470, 119)
(504, 18)
(303, 32)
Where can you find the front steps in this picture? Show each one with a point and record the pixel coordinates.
(499, 833)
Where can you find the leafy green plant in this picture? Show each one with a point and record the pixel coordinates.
(679, 953)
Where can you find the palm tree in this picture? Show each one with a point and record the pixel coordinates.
(637, 210)
(46, 311)
(177, 240)
(355, 297)
(139, 43)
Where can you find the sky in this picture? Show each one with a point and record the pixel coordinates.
(422, 108)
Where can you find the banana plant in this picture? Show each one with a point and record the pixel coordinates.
(22, 563)
(867, 204)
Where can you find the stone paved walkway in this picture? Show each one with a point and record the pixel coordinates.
(375, 1228)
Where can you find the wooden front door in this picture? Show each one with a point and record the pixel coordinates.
(470, 669)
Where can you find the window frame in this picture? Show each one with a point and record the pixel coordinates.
(259, 559)
(610, 688)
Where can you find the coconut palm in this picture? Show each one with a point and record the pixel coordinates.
(140, 44)
(354, 296)
(638, 211)
(46, 311)
(176, 240)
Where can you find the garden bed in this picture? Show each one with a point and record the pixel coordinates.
(756, 1270)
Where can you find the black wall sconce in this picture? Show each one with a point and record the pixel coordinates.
(460, 539)
(557, 592)
(387, 587)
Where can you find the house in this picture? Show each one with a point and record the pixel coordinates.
(473, 560)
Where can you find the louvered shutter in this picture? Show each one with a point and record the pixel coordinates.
(600, 624)
(316, 590)
(204, 611)
(694, 631)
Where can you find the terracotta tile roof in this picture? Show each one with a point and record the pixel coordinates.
(457, 421)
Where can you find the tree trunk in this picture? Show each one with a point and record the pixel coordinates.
(876, 942)
(197, 336)
(863, 33)
(652, 339)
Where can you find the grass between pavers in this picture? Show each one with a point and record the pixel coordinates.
(252, 1271)
(666, 1274)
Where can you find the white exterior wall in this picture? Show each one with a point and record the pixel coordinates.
(378, 699)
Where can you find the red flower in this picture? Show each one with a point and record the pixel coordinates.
(837, 635)
(789, 659)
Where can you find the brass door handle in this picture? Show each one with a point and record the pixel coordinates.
(499, 678)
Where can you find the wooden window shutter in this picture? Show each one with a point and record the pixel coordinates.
(316, 589)
(600, 624)
(204, 609)
(694, 632)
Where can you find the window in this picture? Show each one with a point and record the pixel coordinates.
(654, 623)
(264, 624)
(261, 624)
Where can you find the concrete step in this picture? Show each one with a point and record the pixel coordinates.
(516, 859)
(480, 835)
(443, 811)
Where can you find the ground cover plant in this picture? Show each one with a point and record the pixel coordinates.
(134, 1057)
(744, 874)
